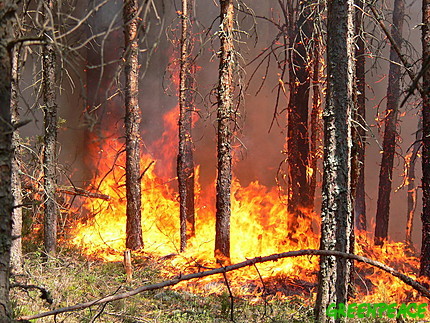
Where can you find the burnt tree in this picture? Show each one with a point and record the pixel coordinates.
(50, 111)
(336, 209)
(132, 123)
(360, 119)
(224, 115)
(7, 12)
(425, 216)
(298, 111)
(185, 162)
(390, 132)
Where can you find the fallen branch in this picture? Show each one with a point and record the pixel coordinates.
(250, 262)
(82, 192)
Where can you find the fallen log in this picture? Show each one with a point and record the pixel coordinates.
(222, 270)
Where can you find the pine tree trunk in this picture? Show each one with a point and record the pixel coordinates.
(50, 141)
(425, 216)
(298, 111)
(132, 123)
(185, 165)
(360, 194)
(412, 190)
(16, 247)
(6, 154)
(224, 116)
(390, 133)
(336, 211)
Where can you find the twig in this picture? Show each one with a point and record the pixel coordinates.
(82, 192)
(250, 262)
(230, 293)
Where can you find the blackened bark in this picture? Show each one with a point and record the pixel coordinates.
(224, 116)
(49, 141)
(298, 111)
(7, 12)
(185, 165)
(412, 190)
(425, 216)
(16, 247)
(390, 132)
(132, 123)
(336, 210)
(360, 195)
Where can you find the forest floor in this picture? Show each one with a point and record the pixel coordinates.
(72, 279)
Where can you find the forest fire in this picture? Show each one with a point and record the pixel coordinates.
(259, 227)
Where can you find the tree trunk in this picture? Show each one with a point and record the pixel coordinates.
(185, 165)
(336, 211)
(6, 154)
(390, 133)
(132, 123)
(225, 117)
(50, 140)
(412, 190)
(16, 247)
(360, 194)
(298, 111)
(425, 216)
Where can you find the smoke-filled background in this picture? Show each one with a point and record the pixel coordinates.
(91, 98)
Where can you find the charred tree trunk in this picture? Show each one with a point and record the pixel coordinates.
(132, 123)
(7, 9)
(16, 247)
(50, 140)
(185, 154)
(425, 216)
(412, 190)
(390, 132)
(315, 124)
(359, 129)
(298, 111)
(336, 211)
(224, 116)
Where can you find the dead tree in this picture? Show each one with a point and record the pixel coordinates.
(224, 115)
(425, 216)
(360, 119)
(336, 210)
(7, 9)
(185, 162)
(390, 132)
(16, 247)
(132, 123)
(50, 110)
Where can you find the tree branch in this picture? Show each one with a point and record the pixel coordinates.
(250, 262)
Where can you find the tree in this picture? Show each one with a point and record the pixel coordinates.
(7, 14)
(50, 134)
(425, 216)
(336, 210)
(185, 166)
(298, 111)
(132, 123)
(360, 118)
(224, 116)
(390, 132)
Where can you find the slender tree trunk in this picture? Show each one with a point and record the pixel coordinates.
(298, 111)
(412, 190)
(50, 140)
(185, 154)
(390, 133)
(16, 247)
(224, 116)
(6, 154)
(425, 216)
(315, 123)
(132, 123)
(336, 212)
